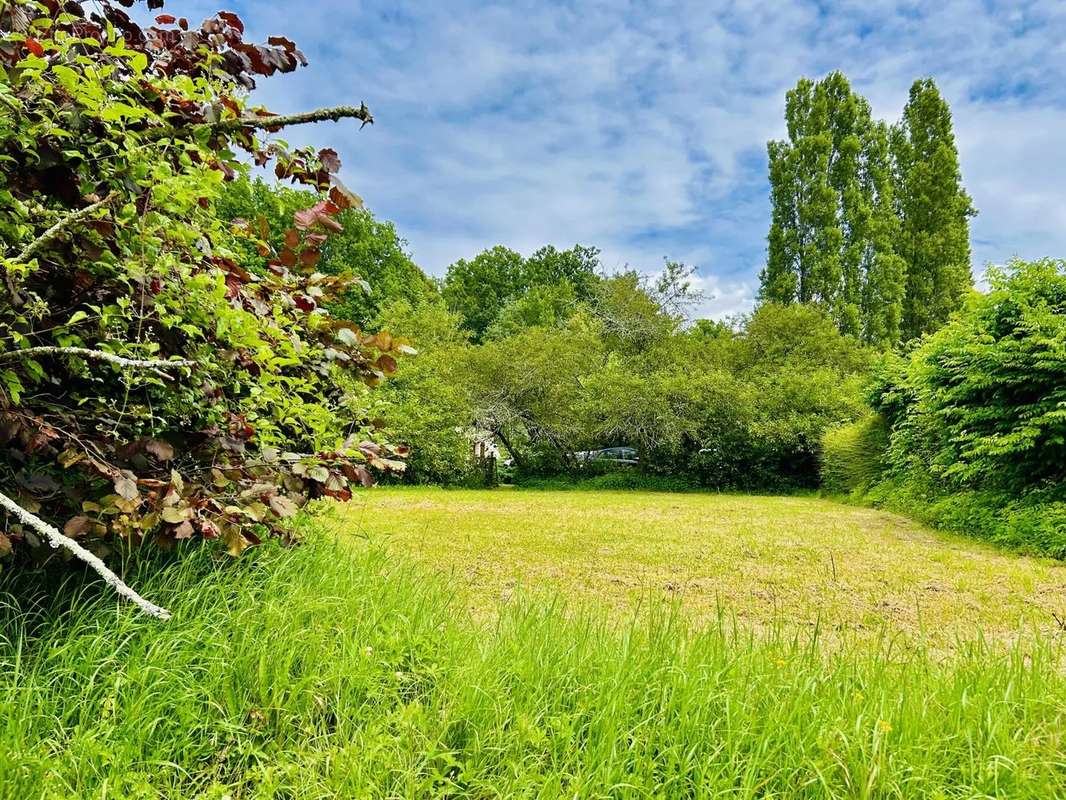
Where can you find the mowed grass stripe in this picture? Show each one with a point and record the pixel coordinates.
(856, 572)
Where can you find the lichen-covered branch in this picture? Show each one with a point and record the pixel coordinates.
(334, 114)
(96, 355)
(28, 252)
(66, 222)
(57, 539)
(277, 122)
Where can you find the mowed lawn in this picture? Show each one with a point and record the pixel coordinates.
(763, 560)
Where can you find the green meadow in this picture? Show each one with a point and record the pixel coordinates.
(550, 644)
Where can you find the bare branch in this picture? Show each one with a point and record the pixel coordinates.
(57, 539)
(67, 221)
(273, 123)
(96, 355)
(31, 249)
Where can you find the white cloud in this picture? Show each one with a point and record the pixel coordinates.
(642, 129)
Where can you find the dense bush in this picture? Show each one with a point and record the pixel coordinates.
(978, 415)
(155, 381)
(982, 402)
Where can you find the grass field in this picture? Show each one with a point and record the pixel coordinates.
(763, 560)
(345, 670)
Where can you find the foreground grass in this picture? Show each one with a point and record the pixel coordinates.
(322, 672)
(856, 572)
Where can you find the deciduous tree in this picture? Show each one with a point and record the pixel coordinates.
(934, 212)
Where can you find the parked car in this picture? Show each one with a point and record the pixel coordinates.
(621, 456)
(618, 455)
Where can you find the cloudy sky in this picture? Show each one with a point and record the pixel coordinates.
(641, 128)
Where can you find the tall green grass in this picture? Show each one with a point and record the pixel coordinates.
(853, 455)
(330, 671)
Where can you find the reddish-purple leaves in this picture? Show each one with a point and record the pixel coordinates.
(320, 214)
(386, 364)
(329, 159)
(77, 526)
(232, 20)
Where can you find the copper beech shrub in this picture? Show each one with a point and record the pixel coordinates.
(154, 383)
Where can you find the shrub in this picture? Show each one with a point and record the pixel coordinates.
(977, 416)
(152, 386)
(853, 455)
(982, 402)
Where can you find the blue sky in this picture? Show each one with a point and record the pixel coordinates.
(641, 127)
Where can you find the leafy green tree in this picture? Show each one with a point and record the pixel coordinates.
(366, 246)
(659, 412)
(576, 267)
(640, 313)
(427, 404)
(480, 289)
(544, 306)
(977, 417)
(526, 389)
(793, 337)
(794, 376)
(820, 207)
(883, 269)
(934, 210)
(834, 225)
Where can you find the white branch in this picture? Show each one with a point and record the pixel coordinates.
(31, 249)
(96, 355)
(67, 221)
(57, 539)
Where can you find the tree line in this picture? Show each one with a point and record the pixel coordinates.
(552, 356)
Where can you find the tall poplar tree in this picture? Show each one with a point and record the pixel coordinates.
(934, 211)
(831, 236)
(883, 269)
